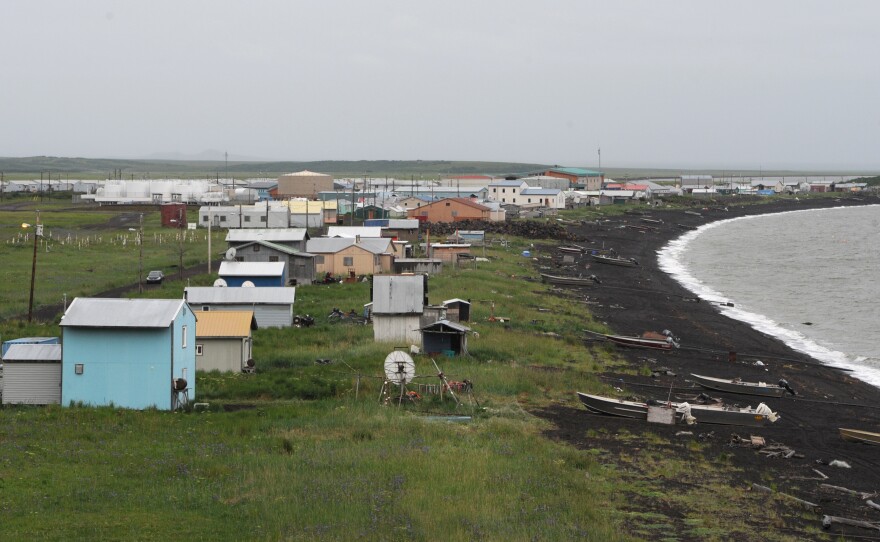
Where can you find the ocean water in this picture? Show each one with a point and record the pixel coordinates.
(810, 278)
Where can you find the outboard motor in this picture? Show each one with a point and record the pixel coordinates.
(783, 383)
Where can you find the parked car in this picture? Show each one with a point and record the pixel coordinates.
(155, 277)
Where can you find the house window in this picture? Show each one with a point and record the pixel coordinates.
(199, 349)
(348, 261)
(222, 219)
(78, 368)
(239, 258)
(454, 214)
(205, 218)
(447, 204)
(503, 190)
(262, 219)
(273, 258)
(206, 308)
(247, 219)
(256, 248)
(319, 259)
(183, 337)
(530, 200)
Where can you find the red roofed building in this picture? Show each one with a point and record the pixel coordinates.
(450, 210)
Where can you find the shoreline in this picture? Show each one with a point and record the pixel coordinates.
(669, 261)
(630, 301)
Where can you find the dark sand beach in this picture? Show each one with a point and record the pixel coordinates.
(633, 300)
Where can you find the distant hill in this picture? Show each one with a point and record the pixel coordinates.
(58, 167)
(102, 168)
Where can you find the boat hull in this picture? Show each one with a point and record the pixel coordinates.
(857, 435)
(744, 388)
(708, 414)
(621, 262)
(566, 281)
(639, 342)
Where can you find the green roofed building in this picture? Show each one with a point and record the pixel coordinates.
(587, 179)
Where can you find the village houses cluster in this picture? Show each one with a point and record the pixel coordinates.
(296, 230)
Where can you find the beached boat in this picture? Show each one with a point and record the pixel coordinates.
(570, 250)
(569, 281)
(736, 385)
(648, 339)
(857, 435)
(615, 260)
(711, 414)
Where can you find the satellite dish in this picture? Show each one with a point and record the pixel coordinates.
(220, 283)
(247, 284)
(230, 254)
(399, 368)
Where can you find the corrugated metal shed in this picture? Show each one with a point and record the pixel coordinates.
(196, 295)
(33, 352)
(398, 294)
(102, 312)
(251, 269)
(27, 340)
(224, 323)
(267, 234)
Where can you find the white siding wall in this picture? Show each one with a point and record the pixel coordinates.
(31, 383)
(401, 329)
(224, 355)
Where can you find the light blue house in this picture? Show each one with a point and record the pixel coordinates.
(132, 353)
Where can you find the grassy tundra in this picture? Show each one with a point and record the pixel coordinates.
(302, 451)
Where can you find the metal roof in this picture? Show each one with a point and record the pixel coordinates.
(580, 172)
(251, 269)
(225, 323)
(446, 323)
(265, 295)
(33, 352)
(541, 192)
(332, 245)
(508, 183)
(354, 231)
(398, 294)
(267, 234)
(103, 312)
(305, 173)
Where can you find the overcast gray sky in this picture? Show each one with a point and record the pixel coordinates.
(653, 83)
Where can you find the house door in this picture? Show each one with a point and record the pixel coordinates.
(216, 221)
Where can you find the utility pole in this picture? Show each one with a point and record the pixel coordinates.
(210, 219)
(181, 232)
(141, 255)
(38, 231)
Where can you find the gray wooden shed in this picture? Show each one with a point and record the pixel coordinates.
(445, 337)
(398, 304)
(32, 374)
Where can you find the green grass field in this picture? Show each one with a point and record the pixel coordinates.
(303, 451)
